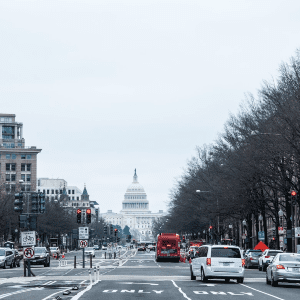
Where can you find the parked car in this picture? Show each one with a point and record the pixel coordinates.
(42, 257)
(221, 262)
(141, 248)
(96, 247)
(89, 251)
(191, 252)
(54, 250)
(6, 258)
(104, 248)
(251, 258)
(151, 247)
(285, 267)
(266, 257)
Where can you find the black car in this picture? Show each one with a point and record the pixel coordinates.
(41, 257)
(141, 248)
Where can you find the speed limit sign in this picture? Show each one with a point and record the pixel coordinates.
(29, 252)
(83, 243)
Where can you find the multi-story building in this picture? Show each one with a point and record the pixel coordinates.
(68, 196)
(135, 212)
(18, 163)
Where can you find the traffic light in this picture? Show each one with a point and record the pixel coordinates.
(183, 239)
(294, 197)
(78, 215)
(129, 237)
(34, 203)
(23, 221)
(88, 216)
(116, 232)
(210, 227)
(32, 222)
(105, 230)
(18, 204)
(42, 207)
(111, 229)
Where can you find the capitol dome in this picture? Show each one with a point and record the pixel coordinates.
(135, 198)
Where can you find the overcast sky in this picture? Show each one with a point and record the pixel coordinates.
(104, 87)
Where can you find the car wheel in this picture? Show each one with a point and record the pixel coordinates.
(273, 281)
(203, 277)
(227, 280)
(259, 268)
(264, 268)
(11, 265)
(4, 266)
(267, 280)
(240, 280)
(193, 277)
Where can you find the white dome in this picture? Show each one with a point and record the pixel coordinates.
(135, 187)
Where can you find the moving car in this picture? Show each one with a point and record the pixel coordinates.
(266, 257)
(251, 258)
(191, 252)
(54, 250)
(89, 251)
(96, 247)
(221, 262)
(141, 248)
(42, 257)
(285, 267)
(6, 258)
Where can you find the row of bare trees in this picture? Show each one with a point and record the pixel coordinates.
(251, 167)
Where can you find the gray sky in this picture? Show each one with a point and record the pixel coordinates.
(104, 87)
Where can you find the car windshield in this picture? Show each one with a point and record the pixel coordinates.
(2, 252)
(289, 257)
(39, 250)
(273, 253)
(256, 253)
(226, 252)
(52, 248)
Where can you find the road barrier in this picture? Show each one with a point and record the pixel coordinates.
(75, 262)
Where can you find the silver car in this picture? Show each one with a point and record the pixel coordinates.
(285, 267)
(6, 258)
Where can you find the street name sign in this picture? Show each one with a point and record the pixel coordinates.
(28, 252)
(83, 233)
(28, 238)
(83, 244)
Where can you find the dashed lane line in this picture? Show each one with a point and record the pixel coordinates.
(181, 291)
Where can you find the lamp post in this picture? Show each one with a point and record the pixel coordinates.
(244, 225)
(280, 214)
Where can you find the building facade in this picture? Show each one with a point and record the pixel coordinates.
(135, 212)
(18, 163)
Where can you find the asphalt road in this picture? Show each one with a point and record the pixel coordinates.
(135, 275)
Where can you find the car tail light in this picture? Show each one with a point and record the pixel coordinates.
(251, 258)
(267, 256)
(243, 262)
(225, 247)
(280, 267)
(208, 261)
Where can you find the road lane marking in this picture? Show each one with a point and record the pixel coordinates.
(181, 291)
(138, 283)
(261, 291)
(19, 292)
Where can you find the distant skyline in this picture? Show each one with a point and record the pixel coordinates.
(104, 87)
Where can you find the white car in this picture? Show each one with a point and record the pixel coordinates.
(266, 257)
(89, 251)
(104, 248)
(54, 250)
(217, 261)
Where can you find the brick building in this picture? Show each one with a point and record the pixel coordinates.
(17, 161)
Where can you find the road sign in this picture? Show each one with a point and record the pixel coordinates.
(83, 244)
(28, 252)
(297, 232)
(28, 238)
(83, 233)
(261, 235)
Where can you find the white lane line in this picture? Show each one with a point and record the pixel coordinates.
(181, 291)
(20, 292)
(76, 297)
(261, 292)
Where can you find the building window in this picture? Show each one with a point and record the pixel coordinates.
(56, 192)
(23, 156)
(28, 188)
(28, 167)
(13, 177)
(20, 145)
(7, 167)
(52, 191)
(73, 191)
(13, 156)
(8, 177)
(83, 204)
(77, 198)
(13, 167)
(60, 191)
(69, 192)
(28, 156)
(7, 156)
(28, 177)
(48, 192)
(23, 177)
(23, 167)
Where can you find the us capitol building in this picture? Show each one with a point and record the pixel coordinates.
(135, 213)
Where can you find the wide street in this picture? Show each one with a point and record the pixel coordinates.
(133, 275)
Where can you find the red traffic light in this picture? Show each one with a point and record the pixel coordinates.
(88, 211)
(116, 229)
(210, 227)
(273, 239)
(78, 211)
(293, 193)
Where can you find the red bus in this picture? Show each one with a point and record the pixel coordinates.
(167, 247)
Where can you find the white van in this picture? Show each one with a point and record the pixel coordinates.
(218, 261)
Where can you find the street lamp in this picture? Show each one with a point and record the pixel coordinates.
(260, 218)
(244, 225)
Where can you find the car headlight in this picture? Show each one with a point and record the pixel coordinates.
(2, 259)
